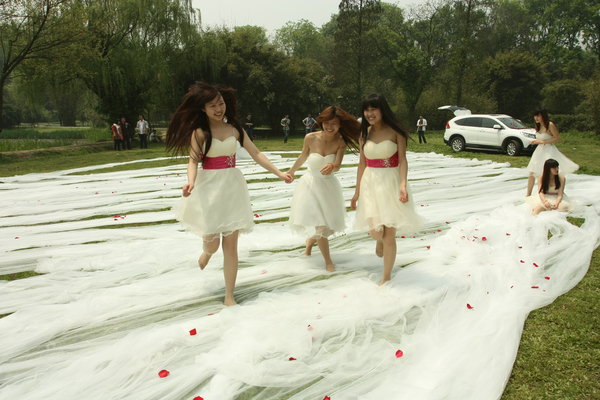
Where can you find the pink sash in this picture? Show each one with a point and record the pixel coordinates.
(219, 162)
(391, 162)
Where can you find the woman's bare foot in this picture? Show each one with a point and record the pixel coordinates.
(204, 259)
(379, 248)
(309, 245)
(229, 301)
(383, 281)
(330, 267)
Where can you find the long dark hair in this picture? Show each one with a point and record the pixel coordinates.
(190, 116)
(549, 164)
(377, 100)
(349, 126)
(545, 120)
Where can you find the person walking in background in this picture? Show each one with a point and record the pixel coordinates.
(421, 127)
(143, 128)
(546, 134)
(126, 131)
(285, 125)
(309, 122)
(249, 126)
(117, 136)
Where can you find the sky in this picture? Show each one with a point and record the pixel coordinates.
(272, 14)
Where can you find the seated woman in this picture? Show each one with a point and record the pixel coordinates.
(551, 188)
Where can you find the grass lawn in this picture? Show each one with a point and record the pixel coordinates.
(559, 352)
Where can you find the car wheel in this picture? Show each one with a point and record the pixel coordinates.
(457, 143)
(513, 147)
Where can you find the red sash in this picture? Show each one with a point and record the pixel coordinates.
(391, 162)
(219, 162)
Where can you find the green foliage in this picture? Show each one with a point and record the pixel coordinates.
(562, 96)
(514, 80)
(574, 122)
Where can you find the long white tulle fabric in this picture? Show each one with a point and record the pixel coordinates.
(121, 290)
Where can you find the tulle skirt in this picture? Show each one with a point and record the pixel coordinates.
(219, 204)
(546, 151)
(317, 206)
(534, 200)
(379, 203)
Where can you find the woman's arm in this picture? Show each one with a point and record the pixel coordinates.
(303, 156)
(545, 202)
(263, 161)
(196, 143)
(403, 166)
(561, 190)
(362, 163)
(335, 166)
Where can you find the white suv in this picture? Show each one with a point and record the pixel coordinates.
(487, 131)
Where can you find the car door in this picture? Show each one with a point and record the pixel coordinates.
(490, 136)
(469, 128)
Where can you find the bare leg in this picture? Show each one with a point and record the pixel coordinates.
(324, 247)
(309, 245)
(530, 183)
(378, 236)
(537, 209)
(389, 253)
(210, 245)
(230, 266)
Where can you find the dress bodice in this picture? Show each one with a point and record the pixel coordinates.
(219, 148)
(543, 135)
(316, 161)
(381, 150)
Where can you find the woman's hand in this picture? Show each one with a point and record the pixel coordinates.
(353, 201)
(537, 141)
(187, 189)
(403, 195)
(327, 169)
(286, 177)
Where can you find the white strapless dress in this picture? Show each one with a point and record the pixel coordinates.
(317, 208)
(379, 199)
(546, 151)
(220, 202)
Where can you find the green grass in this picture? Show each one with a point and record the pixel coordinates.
(559, 351)
(22, 139)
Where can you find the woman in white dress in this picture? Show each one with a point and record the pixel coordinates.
(551, 190)
(381, 197)
(317, 209)
(205, 126)
(545, 136)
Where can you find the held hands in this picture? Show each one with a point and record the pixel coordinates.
(286, 177)
(187, 189)
(327, 169)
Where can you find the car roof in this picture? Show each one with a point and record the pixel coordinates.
(483, 115)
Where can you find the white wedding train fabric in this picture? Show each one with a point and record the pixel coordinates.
(120, 296)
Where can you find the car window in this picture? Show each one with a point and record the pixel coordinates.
(488, 123)
(471, 121)
(512, 123)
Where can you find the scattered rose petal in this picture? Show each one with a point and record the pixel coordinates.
(470, 307)
(193, 332)
(447, 222)
(198, 398)
(17, 237)
(507, 234)
(291, 359)
(439, 230)
(399, 353)
(522, 262)
(547, 278)
(512, 286)
(257, 215)
(209, 314)
(163, 373)
(309, 327)
(326, 398)
(535, 265)
(535, 287)
(403, 237)
(484, 238)
(428, 247)
(520, 247)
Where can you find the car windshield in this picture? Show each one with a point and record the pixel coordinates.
(512, 123)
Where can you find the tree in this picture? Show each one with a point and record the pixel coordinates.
(514, 80)
(30, 29)
(355, 19)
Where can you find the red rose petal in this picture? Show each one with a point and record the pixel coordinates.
(210, 314)
(403, 237)
(522, 262)
(512, 286)
(428, 247)
(508, 234)
(193, 332)
(198, 398)
(484, 238)
(520, 247)
(291, 359)
(535, 265)
(399, 353)
(547, 278)
(17, 237)
(163, 373)
(535, 287)
(326, 398)
(447, 222)
(439, 230)
(309, 327)
(470, 307)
